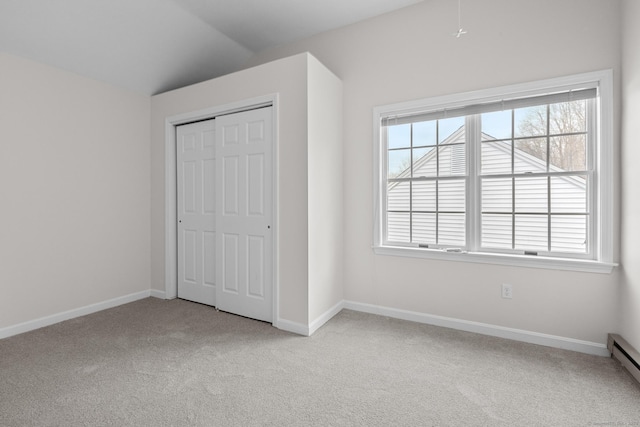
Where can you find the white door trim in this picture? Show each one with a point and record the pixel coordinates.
(170, 187)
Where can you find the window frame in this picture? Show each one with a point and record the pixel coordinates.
(601, 261)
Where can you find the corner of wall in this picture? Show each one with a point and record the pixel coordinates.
(325, 191)
(629, 288)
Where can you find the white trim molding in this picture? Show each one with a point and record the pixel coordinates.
(158, 294)
(580, 346)
(307, 331)
(71, 314)
(587, 266)
(293, 327)
(587, 347)
(564, 343)
(325, 317)
(599, 257)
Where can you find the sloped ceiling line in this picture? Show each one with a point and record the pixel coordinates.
(152, 46)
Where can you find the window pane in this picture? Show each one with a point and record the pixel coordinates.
(530, 155)
(399, 163)
(398, 196)
(496, 125)
(447, 127)
(569, 194)
(496, 231)
(530, 121)
(424, 133)
(451, 229)
(568, 153)
(399, 136)
(496, 195)
(424, 228)
(531, 194)
(424, 162)
(569, 233)
(451, 196)
(531, 232)
(567, 117)
(424, 196)
(496, 157)
(398, 227)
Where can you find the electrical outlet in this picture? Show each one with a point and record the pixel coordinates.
(507, 291)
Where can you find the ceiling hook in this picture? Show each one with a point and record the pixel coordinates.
(460, 31)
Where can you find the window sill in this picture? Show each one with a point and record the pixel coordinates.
(500, 259)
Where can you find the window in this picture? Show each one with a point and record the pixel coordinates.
(516, 175)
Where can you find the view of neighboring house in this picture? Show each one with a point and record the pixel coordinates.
(430, 208)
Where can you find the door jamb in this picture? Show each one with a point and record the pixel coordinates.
(170, 193)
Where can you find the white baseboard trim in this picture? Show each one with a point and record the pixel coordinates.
(70, 314)
(158, 294)
(307, 331)
(293, 327)
(325, 317)
(484, 329)
(301, 329)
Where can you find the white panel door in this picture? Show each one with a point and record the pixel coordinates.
(244, 214)
(196, 181)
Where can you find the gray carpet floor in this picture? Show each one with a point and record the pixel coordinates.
(176, 363)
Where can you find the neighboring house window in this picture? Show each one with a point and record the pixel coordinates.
(515, 175)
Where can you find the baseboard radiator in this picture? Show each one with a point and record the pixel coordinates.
(627, 355)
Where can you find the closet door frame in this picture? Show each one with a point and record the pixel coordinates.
(171, 243)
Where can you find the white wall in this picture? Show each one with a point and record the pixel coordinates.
(630, 285)
(288, 78)
(326, 190)
(309, 184)
(74, 191)
(411, 54)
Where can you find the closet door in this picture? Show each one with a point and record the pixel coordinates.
(196, 183)
(244, 196)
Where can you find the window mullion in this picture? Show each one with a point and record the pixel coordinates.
(594, 240)
(549, 213)
(381, 162)
(437, 183)
(411, 187)
(473, 195)
(513, 184)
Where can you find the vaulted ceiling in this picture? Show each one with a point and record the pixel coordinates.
(151, 46)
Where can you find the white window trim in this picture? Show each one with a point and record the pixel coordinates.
(604, 262)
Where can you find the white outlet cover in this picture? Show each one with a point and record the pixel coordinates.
(507, 291)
